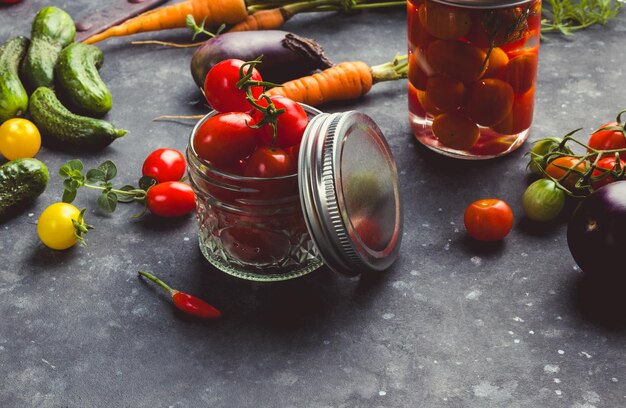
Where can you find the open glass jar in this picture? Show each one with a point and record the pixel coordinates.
(472, 74)
(342, 208)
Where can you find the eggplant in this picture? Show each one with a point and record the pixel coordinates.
(286, 56)
(596, 233)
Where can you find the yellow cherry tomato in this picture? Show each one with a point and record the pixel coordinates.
(55, 227)
(19, 139)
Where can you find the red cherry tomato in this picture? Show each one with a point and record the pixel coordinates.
(171, 199)
(220, 87)
(10, 1)
(269, 162)
(488, 219)
(226, 138)
(164, 165)
(290, 124)
(607, 163)
(609, 139)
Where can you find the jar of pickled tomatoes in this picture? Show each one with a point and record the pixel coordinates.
(337, 209)
(472, 74)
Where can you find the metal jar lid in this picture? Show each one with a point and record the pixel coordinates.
(349, 192)
(489, 4)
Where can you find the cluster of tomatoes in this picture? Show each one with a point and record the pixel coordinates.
(473, 68)
(567, 173)
(169, 197)
(61, 225)
(243, 138)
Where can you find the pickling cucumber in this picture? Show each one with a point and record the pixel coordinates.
(53, 29)
(21, 181)
(76, 72)
(53, 119)
(13, 96)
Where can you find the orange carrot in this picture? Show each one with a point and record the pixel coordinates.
(344, 81)
(262, 20)
(215, 11)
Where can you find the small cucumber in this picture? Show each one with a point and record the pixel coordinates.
(53, 119)
(76, 72)
(53, 29)
(21, 181)
(13, 96)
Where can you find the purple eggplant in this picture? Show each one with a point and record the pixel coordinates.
(596, 233)
(286, 56)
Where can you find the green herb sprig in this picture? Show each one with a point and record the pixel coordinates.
(566, 16)
(100, 178)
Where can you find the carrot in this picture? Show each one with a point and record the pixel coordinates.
(344, 81)
(262, 20)
(215, 11)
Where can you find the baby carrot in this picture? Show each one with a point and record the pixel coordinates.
(344, 81)
(215, 11)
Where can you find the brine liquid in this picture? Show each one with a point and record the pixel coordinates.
(472, 72)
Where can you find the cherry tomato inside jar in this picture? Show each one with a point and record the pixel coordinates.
(220, 87)
(290, 124)
(226, 138)
(171, 199)
(489, 219)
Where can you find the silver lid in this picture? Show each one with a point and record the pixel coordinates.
(483, 3)
(349, 192)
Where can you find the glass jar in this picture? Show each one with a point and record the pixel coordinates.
(251, 227)
(472, 74)
(338, 210)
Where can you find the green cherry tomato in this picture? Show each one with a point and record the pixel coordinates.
(55, 227)
(540, 149)
(19, 139)
(543, 200)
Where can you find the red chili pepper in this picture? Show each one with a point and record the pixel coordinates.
(185, 302)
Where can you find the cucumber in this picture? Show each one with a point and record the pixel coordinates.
(53, 119)
(76, 73)
(13, 96)
(53, 29)
(21, 181)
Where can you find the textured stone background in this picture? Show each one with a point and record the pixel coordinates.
(451, 324)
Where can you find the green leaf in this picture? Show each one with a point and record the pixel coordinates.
(108, 201)
(146, 182)
(65, 171)
(95, 175)
(126, 198)
(70, 185)
(68, 196)
(109, 169)
(75, 164)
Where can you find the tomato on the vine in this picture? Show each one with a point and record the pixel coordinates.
(559, 166)
(609, 139)
(220, 87)
(599, 179)
(489, 219)
(171, 199)
(164, 165)
(290, 124)
(19, 139)
(225, 138)
(269, 162)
